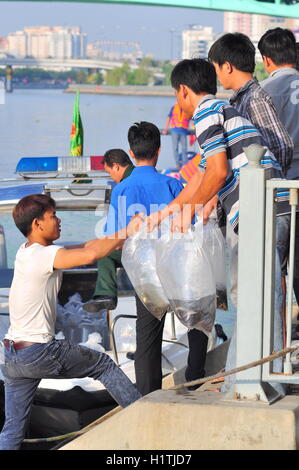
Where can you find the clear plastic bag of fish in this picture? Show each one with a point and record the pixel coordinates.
(186, 275)
(212, 241)
(139, 260)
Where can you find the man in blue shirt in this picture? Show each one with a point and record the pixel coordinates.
(119, 166)
(147, 191)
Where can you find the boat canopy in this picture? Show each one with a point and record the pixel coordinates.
(75, 183)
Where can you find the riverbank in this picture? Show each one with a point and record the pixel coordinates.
(127, 90)
(121, 90)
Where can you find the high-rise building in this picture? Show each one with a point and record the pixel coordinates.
(255, 26)
(17, 44)
(64, 42)
(197, 41)
(3, 44)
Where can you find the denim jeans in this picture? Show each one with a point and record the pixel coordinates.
(283, 227)
(24, 369)
(178, 138)
(232, 243)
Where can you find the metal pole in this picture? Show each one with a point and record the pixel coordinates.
(293, 204)
(249, 333)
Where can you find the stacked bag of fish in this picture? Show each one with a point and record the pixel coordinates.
(180, 272)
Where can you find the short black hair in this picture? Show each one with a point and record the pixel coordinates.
(144, 140)
(198, 74)
(279, 45)
(117, 156)
(235, 48)
(29, 208)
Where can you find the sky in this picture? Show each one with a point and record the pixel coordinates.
(157, 29)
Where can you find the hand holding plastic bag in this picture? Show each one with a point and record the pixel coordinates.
(139, 260)
(186, 276)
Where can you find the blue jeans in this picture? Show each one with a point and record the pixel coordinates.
(178, 138)
(283, 227)
(24, 369)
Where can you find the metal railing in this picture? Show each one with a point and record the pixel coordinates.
(259, 294)
(269, 282)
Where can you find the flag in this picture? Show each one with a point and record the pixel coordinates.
(76, 144)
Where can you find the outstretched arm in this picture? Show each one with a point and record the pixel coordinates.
(202, 187)
(93, 250)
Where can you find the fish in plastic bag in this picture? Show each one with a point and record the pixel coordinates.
(212, 241)
(186, 275)
(139, 260)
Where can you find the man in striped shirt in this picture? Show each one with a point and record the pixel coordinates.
(222, 134)
(233, 56)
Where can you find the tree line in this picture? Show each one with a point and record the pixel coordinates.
(144, 74)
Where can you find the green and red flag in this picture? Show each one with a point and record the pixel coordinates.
(76, 144)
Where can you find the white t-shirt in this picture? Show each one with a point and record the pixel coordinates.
(33, 294)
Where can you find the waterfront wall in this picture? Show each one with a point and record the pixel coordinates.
(142, 90)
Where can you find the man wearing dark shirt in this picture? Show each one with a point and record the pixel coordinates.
(119, 166)
(233, 56)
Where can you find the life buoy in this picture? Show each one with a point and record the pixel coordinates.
(3, 253)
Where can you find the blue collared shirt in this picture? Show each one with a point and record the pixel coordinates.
(145, 190)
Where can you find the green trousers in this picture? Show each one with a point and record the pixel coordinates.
(107, 281)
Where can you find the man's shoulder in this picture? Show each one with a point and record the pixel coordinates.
(259, 95)
(279, 78)
(269, 82)
(123, 185)
(170, 179)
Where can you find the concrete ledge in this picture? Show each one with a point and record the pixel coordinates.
(168, 420)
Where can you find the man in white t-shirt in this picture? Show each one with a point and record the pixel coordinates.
(31, 351)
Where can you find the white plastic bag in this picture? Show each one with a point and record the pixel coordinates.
(186, 276)
(212, 241)
(139, 260)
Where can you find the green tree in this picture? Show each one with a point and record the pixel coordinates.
(140, 76)
(81, 76)
(119, 75)
(95, 78)
(260, 72)
(167, 68)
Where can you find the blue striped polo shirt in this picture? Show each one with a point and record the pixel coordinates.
(220, 128)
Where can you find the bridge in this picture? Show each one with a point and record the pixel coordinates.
(285, 8)
(62, 63)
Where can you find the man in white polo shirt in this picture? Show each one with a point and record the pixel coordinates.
(31, 351)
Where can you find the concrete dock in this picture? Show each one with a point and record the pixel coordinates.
(168, 420)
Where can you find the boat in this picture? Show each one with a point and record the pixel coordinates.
(63, 406)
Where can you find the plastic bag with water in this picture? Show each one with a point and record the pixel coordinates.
(139, 260)
(212, 241)
(186, 275)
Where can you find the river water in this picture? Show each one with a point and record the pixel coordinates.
(38, 123)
